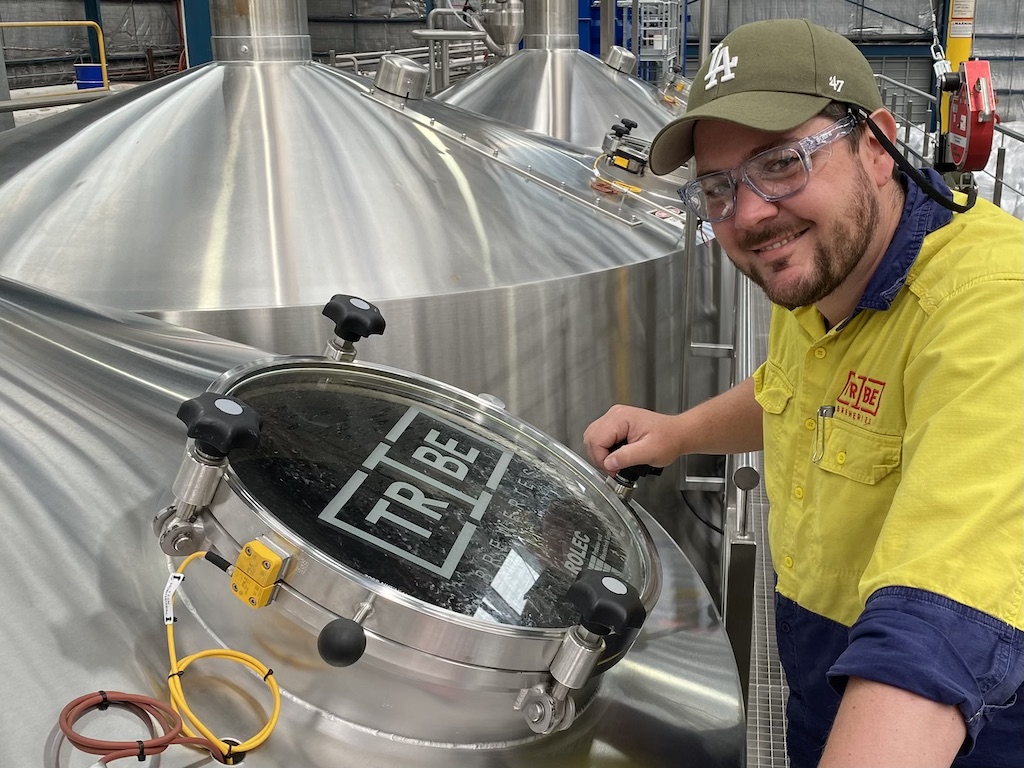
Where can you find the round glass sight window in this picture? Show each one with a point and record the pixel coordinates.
(427, 500)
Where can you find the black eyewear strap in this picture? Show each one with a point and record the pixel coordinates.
(912, 172)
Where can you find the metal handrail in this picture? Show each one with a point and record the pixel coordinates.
(924, 156)
(92, 24)
(367, 61)
(739, 545)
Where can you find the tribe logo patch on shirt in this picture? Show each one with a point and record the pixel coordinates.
(861, 397)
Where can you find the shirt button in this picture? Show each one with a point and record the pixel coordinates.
(798, 492)
(784, 627)
(787, 561)
(841, 457)
(819, 352)
(809, 424)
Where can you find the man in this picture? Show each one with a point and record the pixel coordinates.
(890, 408)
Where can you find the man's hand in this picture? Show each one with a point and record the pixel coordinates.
(651, 438)
(728, 423)
(879, 725)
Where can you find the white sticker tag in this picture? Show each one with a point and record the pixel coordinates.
(172, 586)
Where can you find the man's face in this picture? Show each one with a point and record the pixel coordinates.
(800, 249)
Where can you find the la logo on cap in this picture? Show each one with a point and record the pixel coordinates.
(722, 65)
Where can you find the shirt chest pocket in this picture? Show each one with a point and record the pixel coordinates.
(857, 453)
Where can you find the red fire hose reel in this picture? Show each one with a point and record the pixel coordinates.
(972, 117)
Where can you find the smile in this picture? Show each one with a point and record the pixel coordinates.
(777, 244)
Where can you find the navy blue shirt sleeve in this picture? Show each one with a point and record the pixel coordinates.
(937, 648)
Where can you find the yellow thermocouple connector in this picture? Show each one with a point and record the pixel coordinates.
(256, 572)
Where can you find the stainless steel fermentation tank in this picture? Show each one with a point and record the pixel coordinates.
(554, 88)
(91, 451)
(231, 197)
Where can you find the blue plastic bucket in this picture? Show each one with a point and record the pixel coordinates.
(88, 76)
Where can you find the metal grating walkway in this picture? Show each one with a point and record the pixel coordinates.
(766, 709)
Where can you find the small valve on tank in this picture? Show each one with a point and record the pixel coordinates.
(608, 605)
(217, 424)
(676, 88)
(625, 151)
(625, 480)
(354, 319)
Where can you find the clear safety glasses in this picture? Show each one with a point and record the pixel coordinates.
(774, 174)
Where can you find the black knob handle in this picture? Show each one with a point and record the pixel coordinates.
(619, 130)
(629, 124)
(220, 423)
(354, 318)
(341, 642)
(607, 604)
(634, 473)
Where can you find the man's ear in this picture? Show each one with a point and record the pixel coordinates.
(877, 162)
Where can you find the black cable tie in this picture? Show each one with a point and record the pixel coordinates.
(142, 751)
(176, 674)
(106, 701)
(230, 756)
(269, 673)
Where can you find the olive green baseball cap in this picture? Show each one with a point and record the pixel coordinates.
(771, 76)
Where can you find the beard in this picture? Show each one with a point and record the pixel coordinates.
(841, 247)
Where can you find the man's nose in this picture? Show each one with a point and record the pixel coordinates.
(751, 208)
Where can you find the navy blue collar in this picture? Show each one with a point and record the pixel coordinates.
(921, 215)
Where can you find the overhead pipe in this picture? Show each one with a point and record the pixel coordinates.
(607, 24)
(269, 30)
(470, 19)
(551, 25)
(503, 22)
(492, 46)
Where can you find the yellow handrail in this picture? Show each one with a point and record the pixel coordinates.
(93, 24)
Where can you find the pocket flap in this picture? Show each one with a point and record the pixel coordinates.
(858, 453)
(772, 389)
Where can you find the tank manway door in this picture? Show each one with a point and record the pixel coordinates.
(424, 533)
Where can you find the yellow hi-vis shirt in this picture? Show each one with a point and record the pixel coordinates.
(894, 443)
